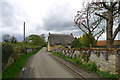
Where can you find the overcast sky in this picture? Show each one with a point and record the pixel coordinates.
(41, 17)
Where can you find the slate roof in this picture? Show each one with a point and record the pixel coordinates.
(60, 39)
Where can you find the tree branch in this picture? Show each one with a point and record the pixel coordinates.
(99, 21)
(81, 29)
(79, 25)
(116, 12)
(116, 31)
(86, 27)
(114, 4)
(106, 7)
(101, 16)
(101, 31)
(100, 34)
(118, 9)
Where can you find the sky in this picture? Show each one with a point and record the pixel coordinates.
(40, 16)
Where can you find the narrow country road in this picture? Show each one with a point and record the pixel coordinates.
(42, 65)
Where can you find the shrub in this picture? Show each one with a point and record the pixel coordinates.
(106, 74)
(77, 61)
(23, 49)
(91, 66)
(87, 40)
(76, 43)
(7, 50)
(13, 70)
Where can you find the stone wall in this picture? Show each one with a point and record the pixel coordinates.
(106, 60)
(13, 58)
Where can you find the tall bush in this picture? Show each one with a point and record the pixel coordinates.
(76, 43)
(7, 50)
(88, 40)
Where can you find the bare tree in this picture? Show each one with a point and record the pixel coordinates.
(88, 22)
(109, 11)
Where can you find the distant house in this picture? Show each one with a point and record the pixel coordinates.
(103, 43)
(57, 40)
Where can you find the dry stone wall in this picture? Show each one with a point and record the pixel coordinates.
(106, 60)
(15, 56)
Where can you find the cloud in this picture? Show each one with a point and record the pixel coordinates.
(41, 17)
(12, 19)
(8, 15)
(60, 19)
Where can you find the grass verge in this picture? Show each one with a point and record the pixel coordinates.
(89, 66)
(13, 70)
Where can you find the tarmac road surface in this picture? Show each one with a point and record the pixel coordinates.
(42, 65)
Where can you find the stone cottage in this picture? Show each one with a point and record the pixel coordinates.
(57, 40)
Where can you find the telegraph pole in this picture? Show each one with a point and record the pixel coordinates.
(24, 32)
(24, 38)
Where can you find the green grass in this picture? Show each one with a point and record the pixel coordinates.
(106, 74)
(89, 66)
(13, 70)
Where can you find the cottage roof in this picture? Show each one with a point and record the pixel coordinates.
(62, 39)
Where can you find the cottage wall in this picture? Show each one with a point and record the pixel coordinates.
(50, 48)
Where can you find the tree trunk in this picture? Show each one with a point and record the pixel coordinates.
(109, 30)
